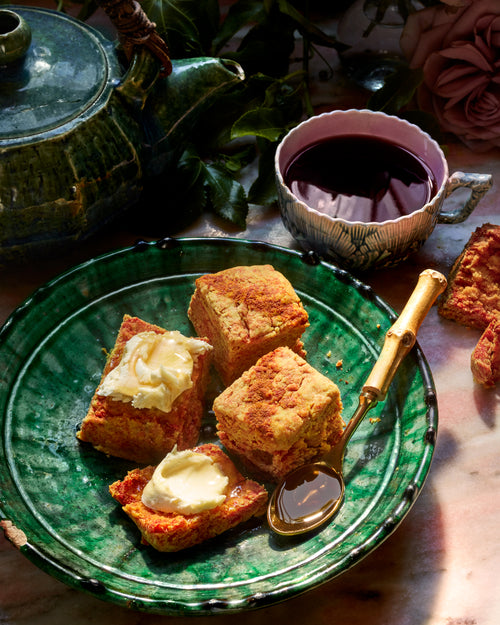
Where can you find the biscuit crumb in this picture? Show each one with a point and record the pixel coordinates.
(15, 535)
(339, 364)
(374, 419)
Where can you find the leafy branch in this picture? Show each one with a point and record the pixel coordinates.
(245, 124)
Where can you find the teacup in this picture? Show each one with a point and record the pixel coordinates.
(359, 245)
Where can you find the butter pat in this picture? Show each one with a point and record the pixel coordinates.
(185, 482)
(154, 370)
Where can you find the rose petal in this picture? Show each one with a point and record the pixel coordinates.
(454, 120)
(423, 32)
(484, 134)
(494, 35)
(469, 54)
(480, 146)
(484, 47)
(466, 19)
(428, 42)
(458, 49)
(455, 72)
(438, 73)
(483, 107)
(489, 22)
(460, 89)
(487, 28)
(457, 121)
(456, 3)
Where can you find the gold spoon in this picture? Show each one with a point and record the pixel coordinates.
(312, 493)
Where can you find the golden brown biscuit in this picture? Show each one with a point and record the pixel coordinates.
(485, 359)
(246, 312)
(145, 435)
(472, 296)
(279, 414)
(169, 531)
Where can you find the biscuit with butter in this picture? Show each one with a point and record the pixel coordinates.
(205, 478)
(151, 394)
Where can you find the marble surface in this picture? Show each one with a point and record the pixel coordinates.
(441, 565)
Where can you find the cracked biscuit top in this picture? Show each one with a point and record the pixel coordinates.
(245, 312)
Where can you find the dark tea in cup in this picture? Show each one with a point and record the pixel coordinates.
(360, 178)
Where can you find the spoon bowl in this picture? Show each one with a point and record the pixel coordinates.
(312, 493)
(306, 499)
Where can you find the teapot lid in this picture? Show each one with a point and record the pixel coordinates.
(64, 73)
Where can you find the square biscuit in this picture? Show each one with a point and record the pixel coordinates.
(145, 435)
(472, 296)
(246, 312)
(279, 414)
(171, 531)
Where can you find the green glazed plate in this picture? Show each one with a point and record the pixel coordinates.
(54, 489)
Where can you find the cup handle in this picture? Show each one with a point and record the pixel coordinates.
(479, 184)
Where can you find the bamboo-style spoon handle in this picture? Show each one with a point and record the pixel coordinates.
(401, 337)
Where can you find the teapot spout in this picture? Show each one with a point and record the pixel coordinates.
(177, 101)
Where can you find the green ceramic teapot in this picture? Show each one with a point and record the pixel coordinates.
(81, 132)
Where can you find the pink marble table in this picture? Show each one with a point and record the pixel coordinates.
(442, 564)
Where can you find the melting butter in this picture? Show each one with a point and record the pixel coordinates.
(185, 482)
(154, 370)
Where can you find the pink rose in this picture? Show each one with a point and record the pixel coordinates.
(458, 48)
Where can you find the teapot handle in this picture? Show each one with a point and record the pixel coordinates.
(135, 29)
(140, 79)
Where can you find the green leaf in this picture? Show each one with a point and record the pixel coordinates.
(268, 45)
(286, 96)
(263, 190)
(215, 127)
(239, 15)
(227, 196)
(188, 26)
(238, 160)
(183, 197)
(308, 28)
(261, 122)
